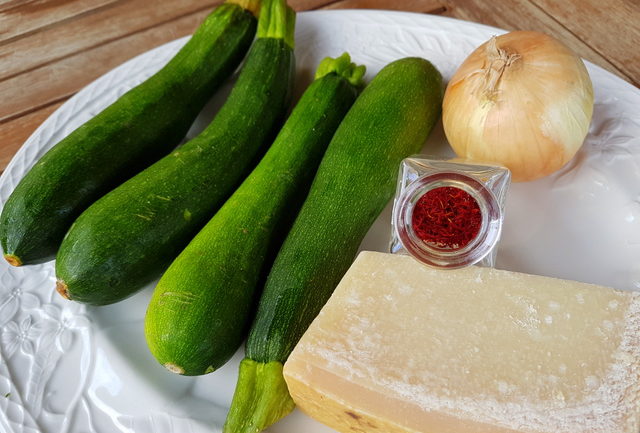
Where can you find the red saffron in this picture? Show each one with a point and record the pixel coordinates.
(446, 217)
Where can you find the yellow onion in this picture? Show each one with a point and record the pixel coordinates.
(522, 99)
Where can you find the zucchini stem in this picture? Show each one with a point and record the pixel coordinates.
(61, 287)
(343, 67)
(252, 6)
(13, 260)
(277, 20)
(261, 397)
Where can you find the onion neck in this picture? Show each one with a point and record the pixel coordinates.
(498, 61)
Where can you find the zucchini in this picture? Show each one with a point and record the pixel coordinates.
(355, 180)
(143, 125)
(201, 309)
(128, 237)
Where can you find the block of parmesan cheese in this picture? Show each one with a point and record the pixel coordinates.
(401, 347)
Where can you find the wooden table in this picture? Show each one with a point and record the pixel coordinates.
(50, 49)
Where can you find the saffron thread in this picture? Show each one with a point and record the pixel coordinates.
(446, 217)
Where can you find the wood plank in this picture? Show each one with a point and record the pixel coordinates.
(59, 80)
(424, 6)
(596, 23)
(15, 132)
(6, 4)
(307, 5)
(524, 15)
(27, 17)
(120, 19)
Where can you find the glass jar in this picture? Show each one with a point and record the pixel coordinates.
(482, 188)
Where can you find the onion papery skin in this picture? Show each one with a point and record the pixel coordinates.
(523, 100)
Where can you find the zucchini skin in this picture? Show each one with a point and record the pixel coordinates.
(390, 121)
(143, 125)
(202, 307)
(129, 236)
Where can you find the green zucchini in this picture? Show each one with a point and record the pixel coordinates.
(201, 309)
(128, 237)
(356, 178)
(143, 125)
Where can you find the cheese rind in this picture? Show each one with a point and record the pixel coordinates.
(413, 349)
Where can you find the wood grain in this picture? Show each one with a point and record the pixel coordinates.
(525, 15)
(121, 19)
(29, 16)
(424, 6)
(308, 5)
(597, 27)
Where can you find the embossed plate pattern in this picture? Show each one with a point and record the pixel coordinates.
(70, 368)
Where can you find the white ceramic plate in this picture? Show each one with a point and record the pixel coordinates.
(69, 368)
